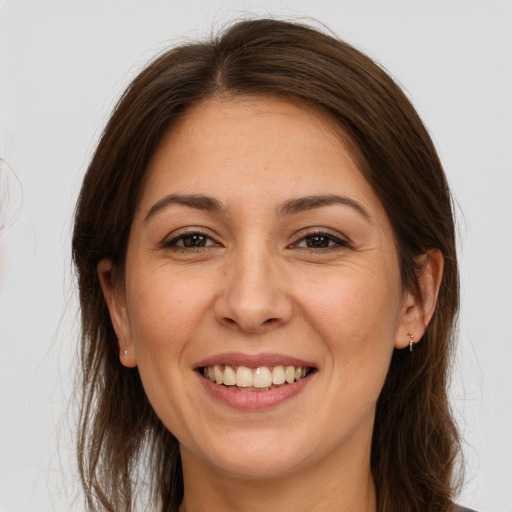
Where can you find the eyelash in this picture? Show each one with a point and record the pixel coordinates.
(174, 242)
(333, 242)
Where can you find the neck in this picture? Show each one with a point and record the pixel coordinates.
(330, 485)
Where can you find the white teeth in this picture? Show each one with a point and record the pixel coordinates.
(219, 376)
(244, 377)
(289, 374)
(229, 376)
(261, 378)
(278, 376)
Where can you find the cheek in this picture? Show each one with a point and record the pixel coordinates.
(356, 316)
(165, 317)
(356, 302)
(165, 311)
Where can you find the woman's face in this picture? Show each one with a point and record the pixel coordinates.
(259, 254)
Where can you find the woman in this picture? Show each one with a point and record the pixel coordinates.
(265, 251)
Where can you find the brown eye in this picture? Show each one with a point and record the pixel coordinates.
(318, 241)
(194, 240)
(190, 241)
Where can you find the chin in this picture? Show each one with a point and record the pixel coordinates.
(256, 467)
(259, 457)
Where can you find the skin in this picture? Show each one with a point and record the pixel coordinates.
(256, 287)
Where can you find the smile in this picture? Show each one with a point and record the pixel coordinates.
(262, 378)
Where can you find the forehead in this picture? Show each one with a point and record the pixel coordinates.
(245, 146)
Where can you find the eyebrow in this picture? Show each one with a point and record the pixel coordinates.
(289, 207)
(197, 201)
(302, 204)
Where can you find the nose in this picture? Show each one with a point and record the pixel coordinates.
(254, 297)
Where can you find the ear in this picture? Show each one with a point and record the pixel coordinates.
(116, 302)
(417, 312)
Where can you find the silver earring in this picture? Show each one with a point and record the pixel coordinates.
(411, 341)
(126, 354)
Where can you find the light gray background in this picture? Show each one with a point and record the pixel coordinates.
(63, 64)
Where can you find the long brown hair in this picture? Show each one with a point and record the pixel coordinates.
(415, 441)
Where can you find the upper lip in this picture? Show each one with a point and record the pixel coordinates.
(253, 360)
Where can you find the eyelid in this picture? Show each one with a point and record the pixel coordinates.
(171, 239)
(339, 239)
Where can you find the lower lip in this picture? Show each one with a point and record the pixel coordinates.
(254, 400)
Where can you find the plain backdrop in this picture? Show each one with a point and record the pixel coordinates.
(62, 66)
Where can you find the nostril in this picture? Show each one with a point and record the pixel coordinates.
(268, 322)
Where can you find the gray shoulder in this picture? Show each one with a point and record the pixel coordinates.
(462, 509)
